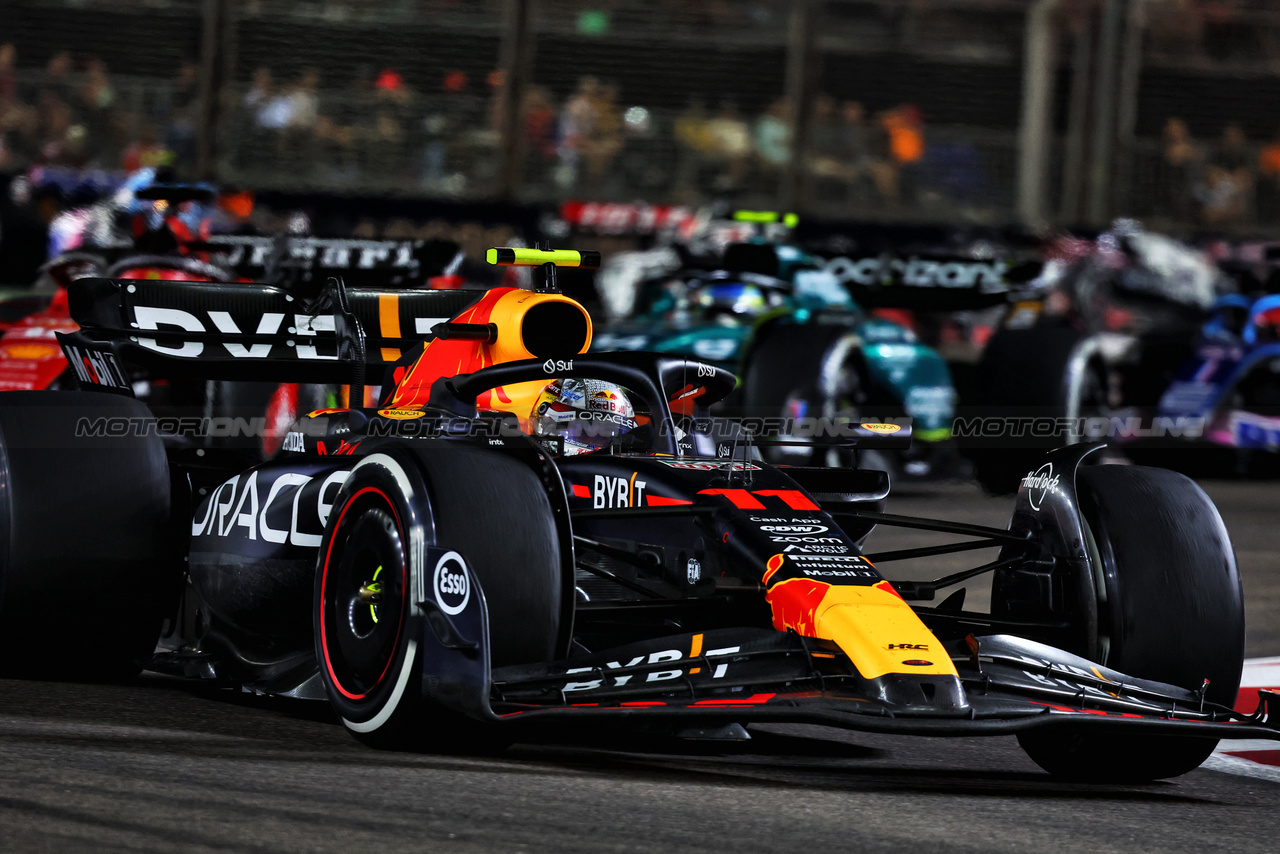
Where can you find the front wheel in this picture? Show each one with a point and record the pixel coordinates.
(1170, 609)
(493, 510)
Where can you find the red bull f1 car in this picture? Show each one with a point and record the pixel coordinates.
(523, 533)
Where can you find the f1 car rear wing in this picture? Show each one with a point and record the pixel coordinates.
(931, 282)
(361, 263)
(242, 331)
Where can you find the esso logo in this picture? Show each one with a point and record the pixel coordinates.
(794, 529)
(452, 584)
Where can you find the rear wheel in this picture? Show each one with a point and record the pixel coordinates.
(1170, 609)
(88, 558)
(494, 512)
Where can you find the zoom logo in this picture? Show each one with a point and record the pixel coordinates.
(452, 584)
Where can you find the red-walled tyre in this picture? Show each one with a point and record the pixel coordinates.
(490, 508)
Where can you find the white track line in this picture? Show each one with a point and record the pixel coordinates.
(1241, 767)
(1258, 673)
(1261, 673)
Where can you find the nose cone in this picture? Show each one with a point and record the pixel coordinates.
(870, 623)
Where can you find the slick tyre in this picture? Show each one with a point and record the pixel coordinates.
(495, 513)
(784, 357)
(1170, 609)
(796, 369)
(1023, 373)
(89, 562)
(245, 402)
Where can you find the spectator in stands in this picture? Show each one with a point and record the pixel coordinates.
(384, 146)
(57, 77)
(866, 147)
(577, 120)
(773, 137)
(260, 90)
(604, 138)
(1181, 167)
(8, 72)
(385, 139)
(96, 93)
(178, 113)
(436, 129)
(730, 147)
(298, 136)
(904, 126)
(277, 113)
(538, 118)
(14, 115)
(1269, 182)
(256, 140)
(1229, 179)
(695, 148)
(54, 125)
(341, 115)
(304, 100)
(93, 109)
(335, 146)
(18, 125)
(852, 145)
(824, 161)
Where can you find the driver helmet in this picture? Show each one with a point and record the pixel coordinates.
(732, 298)
(586, 414)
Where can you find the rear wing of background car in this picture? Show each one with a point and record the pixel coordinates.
(931, 281)
(361, 263)
(242, 331)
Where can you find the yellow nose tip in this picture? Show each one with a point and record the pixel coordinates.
(872, 625)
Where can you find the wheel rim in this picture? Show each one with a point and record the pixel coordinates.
(363, 594)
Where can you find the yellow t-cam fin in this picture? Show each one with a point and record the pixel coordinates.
(790, 220)
(504, 257)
